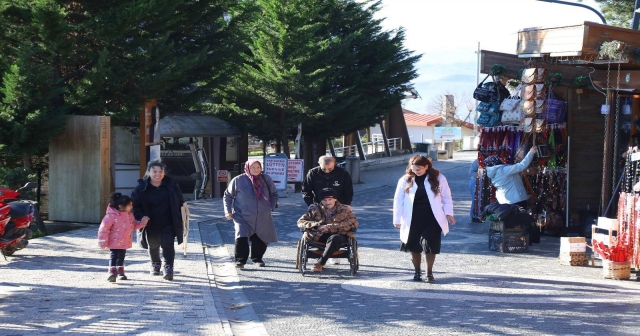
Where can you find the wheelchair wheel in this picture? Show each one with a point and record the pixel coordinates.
(357, 256)
(298, 255)
(353, 257)
(302, 256)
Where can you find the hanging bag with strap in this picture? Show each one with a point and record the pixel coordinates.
(556, 109)
(490, 92)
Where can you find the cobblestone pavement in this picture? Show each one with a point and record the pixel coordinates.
(477, 291)
(57, 285)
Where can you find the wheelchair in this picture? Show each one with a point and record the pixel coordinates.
(313, 250)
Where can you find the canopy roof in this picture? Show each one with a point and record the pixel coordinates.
(195, 125)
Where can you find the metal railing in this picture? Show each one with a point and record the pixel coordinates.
(372, 147)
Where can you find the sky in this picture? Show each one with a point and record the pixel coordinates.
(447, 32)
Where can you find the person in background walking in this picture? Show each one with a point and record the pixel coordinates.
(116, 233)
(506, 178)
(248, 201)
(473, 171)
(327, 175)
(159, 197)
(422, 210)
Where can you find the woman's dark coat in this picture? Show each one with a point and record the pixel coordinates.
(141, 206)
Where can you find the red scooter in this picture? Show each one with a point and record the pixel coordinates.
(15, 218)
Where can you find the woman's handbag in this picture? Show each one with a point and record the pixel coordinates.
(532, 107)
(541, 124)
(527, 125)
(533, 91)
(556, 109)
(512, 103)
(488, 120)
(490, 92)
(534, 75)
(490, 108)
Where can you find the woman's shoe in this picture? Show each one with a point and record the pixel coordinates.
(317, 267)
(239, 265)
(430, 278)
(417, 276)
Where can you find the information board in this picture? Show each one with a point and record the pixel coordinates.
(275, 165)
(295, 170)
(447, 133)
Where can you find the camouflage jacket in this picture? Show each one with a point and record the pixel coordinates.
(342, 221)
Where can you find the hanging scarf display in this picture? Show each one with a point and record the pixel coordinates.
(545, 180)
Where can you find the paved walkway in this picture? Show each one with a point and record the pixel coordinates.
(59, 282)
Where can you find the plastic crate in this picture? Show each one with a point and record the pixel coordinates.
(498, 226)
(509, 242)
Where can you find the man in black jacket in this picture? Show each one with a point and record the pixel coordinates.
(327, 175)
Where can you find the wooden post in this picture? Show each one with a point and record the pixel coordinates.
(145, 127)
(387, 151)
(216, 166)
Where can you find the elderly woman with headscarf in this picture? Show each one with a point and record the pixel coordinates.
(249, 200)
(506, 178)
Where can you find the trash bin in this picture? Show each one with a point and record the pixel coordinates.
(448, 146)
(352, 166)
(422, 147)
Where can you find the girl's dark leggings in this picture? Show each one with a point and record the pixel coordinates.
(117, 258)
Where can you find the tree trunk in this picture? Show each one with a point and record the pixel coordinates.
(313, 150)
(278, 146)
(26, 161)
(285, 143)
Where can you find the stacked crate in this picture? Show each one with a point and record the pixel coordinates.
(573, 251)
(508, 240)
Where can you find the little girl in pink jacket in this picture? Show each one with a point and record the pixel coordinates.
(116, 233)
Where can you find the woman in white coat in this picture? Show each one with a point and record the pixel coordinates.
(422, 210)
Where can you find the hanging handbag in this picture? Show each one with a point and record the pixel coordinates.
(512, 117)
(490, 108)
(541, 91)
(540, 106)
(529, 108)
(541, 125)
(533, 91)
(489, 92)
(541, 75)
(488, 120)
(556, 109)
(534, 75)
(527, 125)
(511, 104)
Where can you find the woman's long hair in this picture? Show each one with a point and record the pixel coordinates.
(432, 173)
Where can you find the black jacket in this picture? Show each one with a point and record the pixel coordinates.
(141, 204)
(338, 180)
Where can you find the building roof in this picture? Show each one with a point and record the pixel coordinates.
(195, 125)
(417, 119)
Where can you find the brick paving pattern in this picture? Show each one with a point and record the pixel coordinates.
(58, 282)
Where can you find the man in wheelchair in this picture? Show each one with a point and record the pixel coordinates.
(328, 222)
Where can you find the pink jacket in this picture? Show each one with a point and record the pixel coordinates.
(116, 229)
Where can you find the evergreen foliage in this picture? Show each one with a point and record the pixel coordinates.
(617, 12)
(324, 63)
(84, 57)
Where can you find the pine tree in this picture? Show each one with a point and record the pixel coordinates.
(617, 12)
(107, 57)
(324, 63)
(31, 106)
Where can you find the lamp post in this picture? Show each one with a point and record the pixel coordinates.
(581, 5)
(636, 16)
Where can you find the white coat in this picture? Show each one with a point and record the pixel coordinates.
(507, 180)
(441, 205)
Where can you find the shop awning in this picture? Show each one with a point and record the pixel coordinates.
(572, 51)
(196, 125)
